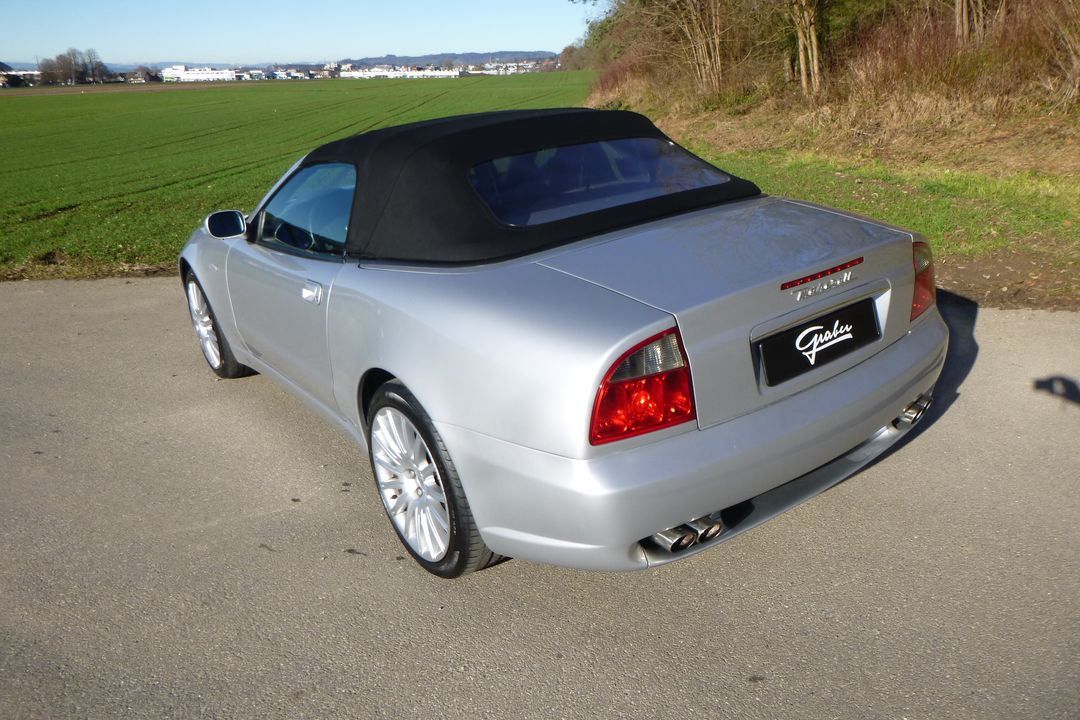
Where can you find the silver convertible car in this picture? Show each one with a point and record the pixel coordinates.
(562, 337)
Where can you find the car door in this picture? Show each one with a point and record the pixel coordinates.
(281, 284)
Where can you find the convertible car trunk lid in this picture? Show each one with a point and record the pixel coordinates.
(720, 272)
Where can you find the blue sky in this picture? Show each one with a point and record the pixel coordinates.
(244, 31)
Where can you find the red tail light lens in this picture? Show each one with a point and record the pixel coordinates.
(647, 389)
(925, 292)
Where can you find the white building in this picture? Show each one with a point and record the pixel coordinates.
(503, 68)
(182, 73)
(378, 72)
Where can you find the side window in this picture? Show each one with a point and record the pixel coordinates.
(310, 212)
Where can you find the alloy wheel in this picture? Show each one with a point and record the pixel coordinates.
(409, 484)
(204, 324)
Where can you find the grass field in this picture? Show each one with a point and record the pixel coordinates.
(1006, 240)
(966, 214)
(101, 182)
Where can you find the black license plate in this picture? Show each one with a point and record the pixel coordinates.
(818, 342)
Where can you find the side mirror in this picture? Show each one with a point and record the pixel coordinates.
(226, 223)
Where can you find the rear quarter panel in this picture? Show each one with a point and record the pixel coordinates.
(513, 351)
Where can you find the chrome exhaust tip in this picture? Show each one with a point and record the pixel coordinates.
(676, 539)
(706, 528)
(914, 412)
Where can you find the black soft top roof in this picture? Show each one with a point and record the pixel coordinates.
(414, 201)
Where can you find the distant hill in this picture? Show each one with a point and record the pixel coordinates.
(468, 58)
(4, 67)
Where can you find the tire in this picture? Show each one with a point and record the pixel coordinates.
(215, 348)
(420, 488)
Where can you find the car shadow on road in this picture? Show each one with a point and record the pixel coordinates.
(960, 315)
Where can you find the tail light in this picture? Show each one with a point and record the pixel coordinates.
(925, 294)
(647, 389)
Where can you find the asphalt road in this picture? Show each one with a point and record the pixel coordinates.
(176, 546)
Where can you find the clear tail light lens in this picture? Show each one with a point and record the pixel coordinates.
(647, 389)
(925, 293)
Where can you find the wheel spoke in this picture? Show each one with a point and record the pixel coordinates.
(417, 451)
(440, 524)
(434, 532)
(389, 464)
(384, 434)
(438, 528)
(210, 350)
(423, 544)
(435, 494)
(401, 503)
(404, 521)
(391, 435)
(422, 531)
(393, 482)
(401, 434)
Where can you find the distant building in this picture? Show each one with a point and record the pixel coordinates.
(182, 73)
(504, 68)
(14, 78)
(385, 71)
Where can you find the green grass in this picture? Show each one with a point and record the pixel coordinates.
(93, 183)
(963, 214)
(100, 182)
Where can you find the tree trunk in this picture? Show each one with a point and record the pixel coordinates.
(804, 18)
(962, 25)
(815, 52)
(972, 19)
(802, 61)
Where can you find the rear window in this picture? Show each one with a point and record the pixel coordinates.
(562, 182)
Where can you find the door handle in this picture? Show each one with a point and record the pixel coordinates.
(312, 292)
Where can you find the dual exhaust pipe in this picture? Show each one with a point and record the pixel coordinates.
(703, 529)
(684, 536)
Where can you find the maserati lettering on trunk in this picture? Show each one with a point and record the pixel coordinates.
(822, 287)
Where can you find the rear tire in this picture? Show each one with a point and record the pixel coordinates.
(215, 348)
(420, 487)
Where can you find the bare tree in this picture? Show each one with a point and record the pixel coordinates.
(705, 37)
(804, 17)
(72, 66)
(573, 57)
(1062, 25)
(973, 18)
(50, 72)
(96, 71)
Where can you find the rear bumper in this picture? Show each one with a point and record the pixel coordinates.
(594, 513)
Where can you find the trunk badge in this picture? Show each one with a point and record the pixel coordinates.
(821, 282)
